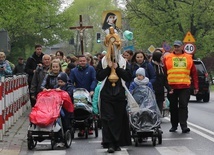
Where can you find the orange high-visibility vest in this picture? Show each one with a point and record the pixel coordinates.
(178, 68)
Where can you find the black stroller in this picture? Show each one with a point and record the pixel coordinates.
(145, 122)
(83, 114)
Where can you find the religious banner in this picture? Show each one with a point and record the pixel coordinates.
(111, 18)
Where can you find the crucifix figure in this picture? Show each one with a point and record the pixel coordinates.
(81, 29)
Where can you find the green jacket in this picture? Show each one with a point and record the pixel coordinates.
(95, 98)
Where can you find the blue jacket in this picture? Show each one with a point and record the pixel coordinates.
(133, 85)
(7, 71)
(83, 77)
(149, 70)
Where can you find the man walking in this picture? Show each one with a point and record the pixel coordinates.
(31, 64)
(180, 70)
(38, 77)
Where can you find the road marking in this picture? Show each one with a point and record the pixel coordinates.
(201, 128)
(181, 150)
(97, 141)
(188, 138)
(47, 143)
(104, 151)
(199, 132)
(48, 152)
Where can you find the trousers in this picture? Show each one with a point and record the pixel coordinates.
(179, 107)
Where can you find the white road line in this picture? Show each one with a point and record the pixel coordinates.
(199, 132)
(188, 138)
(177, 150)
(97, 141)
(48, 152)
(104, 151)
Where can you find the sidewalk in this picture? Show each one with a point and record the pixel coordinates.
(14, 138)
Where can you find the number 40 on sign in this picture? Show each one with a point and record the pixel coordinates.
(189, 48)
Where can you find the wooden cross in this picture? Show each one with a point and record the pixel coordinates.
(81, 29)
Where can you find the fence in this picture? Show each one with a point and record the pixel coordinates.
(14, 101)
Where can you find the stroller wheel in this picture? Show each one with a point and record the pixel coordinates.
(72, 133)
(52, 144)
(159, 137)
(68, 138)
(136, 141)
(86, 133)
(31, 143)
(96, 128)
(154, 141)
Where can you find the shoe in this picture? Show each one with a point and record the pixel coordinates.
(90, 132)
(173, 129)
(60, 145)
(105, 145)
(117, 148)
(110, 150)
(81, 133)
(185, 130)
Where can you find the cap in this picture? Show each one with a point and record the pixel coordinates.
(140, 71)
(177, 43)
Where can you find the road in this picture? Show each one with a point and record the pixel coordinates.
(199, 141)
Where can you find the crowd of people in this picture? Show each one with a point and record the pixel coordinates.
(172, 72)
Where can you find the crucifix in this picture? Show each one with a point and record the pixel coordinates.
(81, 29)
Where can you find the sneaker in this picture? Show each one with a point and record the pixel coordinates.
(110, 150)
(185, 130)
(117, 148)
(173, 129)
(90, 132)
(60, 145)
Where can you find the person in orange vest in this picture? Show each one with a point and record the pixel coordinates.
(180, 70)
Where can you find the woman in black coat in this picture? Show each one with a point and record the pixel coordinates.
(161, 80)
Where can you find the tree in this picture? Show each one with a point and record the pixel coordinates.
(28, 22)
(91, 12)
(168, 20)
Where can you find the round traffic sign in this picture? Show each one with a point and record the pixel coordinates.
(189, 48)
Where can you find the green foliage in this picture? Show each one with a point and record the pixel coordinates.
(28, 22)
(154, 22)
(91, 11)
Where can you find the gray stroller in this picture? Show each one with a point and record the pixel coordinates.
(146, 121)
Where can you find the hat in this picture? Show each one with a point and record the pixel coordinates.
(177, 43)
(128, 35)
(140, 71)
(63, 76)
(104, 52)
(156, 55)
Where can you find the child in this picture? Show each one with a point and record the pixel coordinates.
(140, 79)
(63, 84)
(50, 79)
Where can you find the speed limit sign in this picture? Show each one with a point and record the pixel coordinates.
(189, 48)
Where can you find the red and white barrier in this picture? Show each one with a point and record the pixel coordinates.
(14, 101)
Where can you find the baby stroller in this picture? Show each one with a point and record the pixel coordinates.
(47, 119)
(83, 115)
(145, 122)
